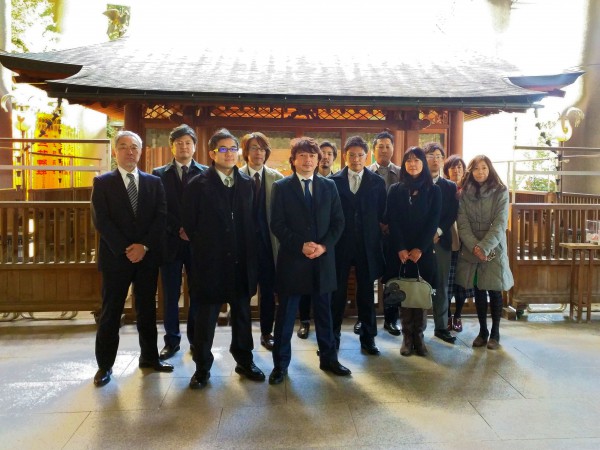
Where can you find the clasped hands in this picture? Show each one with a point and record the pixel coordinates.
(313, 250)
(414, 255)
(135, 253)
(479, 253)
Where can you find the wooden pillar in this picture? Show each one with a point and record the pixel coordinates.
(202, 147)
(343, 138)
(133, 122)
(398, 147)
(455, 138)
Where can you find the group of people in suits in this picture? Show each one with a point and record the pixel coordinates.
(235, 229)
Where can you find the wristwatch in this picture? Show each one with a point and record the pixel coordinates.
(146, 248)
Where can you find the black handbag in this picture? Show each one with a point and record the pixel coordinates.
(408, 292)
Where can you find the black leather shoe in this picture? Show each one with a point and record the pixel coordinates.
(168, 351)
(156, 365)
(445, 336)
(368, 345)
(267, 341)
(199, 380)
(251, 372)
(336, 368)
(357, 327)
(277, 376)
(303, 330)
(102, 377)
(392, 328)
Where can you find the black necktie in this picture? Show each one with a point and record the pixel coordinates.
(184, 175)
(132, 192)
(307, 196)
(256, 188)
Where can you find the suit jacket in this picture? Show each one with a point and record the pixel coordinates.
(369, 202)
(293, 224)
(449, 211)
(119, 227)
(394, 174)
(214, 224)
(174, 192)
(270, 177)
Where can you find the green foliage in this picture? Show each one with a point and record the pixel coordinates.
(118, 20)
(540, 160)
(32, 26)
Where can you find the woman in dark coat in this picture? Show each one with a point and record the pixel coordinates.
(413, 210)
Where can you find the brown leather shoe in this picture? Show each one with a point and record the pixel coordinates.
(493, 344)
(457, 324)
(406, 349)
(480, 341)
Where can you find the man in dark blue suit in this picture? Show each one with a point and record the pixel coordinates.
(307, 218)
(129, 212)
(442, 240)
(174, 177)
(363, 197)
(218, 218)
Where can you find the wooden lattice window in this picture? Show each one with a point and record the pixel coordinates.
(162, 111)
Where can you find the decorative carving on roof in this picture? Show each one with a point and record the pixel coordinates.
(434, 117)
(266, 112)
(162, 111)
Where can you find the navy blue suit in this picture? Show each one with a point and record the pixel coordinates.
(177, 253)
(361, 246)
(294, 223)
(118, 228)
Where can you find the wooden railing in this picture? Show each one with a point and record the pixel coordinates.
(540, 266)
(47, 257)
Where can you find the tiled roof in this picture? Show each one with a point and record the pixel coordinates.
(127, 66)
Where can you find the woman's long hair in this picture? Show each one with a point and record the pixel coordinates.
(493, 181)
(424, 179)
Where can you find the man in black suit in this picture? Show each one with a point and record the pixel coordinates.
(256, 150)
(329, 151)
(308, 220)
(383, 150)
(174, 177)
(218, 219)
(129, 212)
(363, 197)
(442, 240)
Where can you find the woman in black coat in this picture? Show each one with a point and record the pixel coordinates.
(413, 211)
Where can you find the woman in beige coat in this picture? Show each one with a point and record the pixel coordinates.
(483, 260)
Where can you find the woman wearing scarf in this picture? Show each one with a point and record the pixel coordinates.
(413, 209)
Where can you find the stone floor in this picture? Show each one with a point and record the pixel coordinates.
(541, 390)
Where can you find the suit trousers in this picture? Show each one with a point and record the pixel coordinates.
(242, 343)
(443, 258)
(365, 296)
(266, 284)
(284, 328)
(115, 286)
(304, 308)
(171, 275)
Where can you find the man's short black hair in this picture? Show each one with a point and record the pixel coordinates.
(181, 131)
(223, 133)
(356, 141)
(330, 145)
(431, 147)
(383, 135)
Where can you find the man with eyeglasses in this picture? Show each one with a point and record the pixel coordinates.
(308, 220)
(174, 177)
(129, 212)
(218, 219)
(442, 240)
(383, 149)
(256, 151)
(363, 196)
(329, 151)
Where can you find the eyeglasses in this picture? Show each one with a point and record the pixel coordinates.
(356, 155)
(133, 148)
(257, 149)
(435, 157)
(226, 149)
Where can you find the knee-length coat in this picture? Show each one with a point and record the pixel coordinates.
(482, 221)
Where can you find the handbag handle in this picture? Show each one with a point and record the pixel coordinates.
(403, 266)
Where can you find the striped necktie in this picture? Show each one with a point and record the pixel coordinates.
(132, 192)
